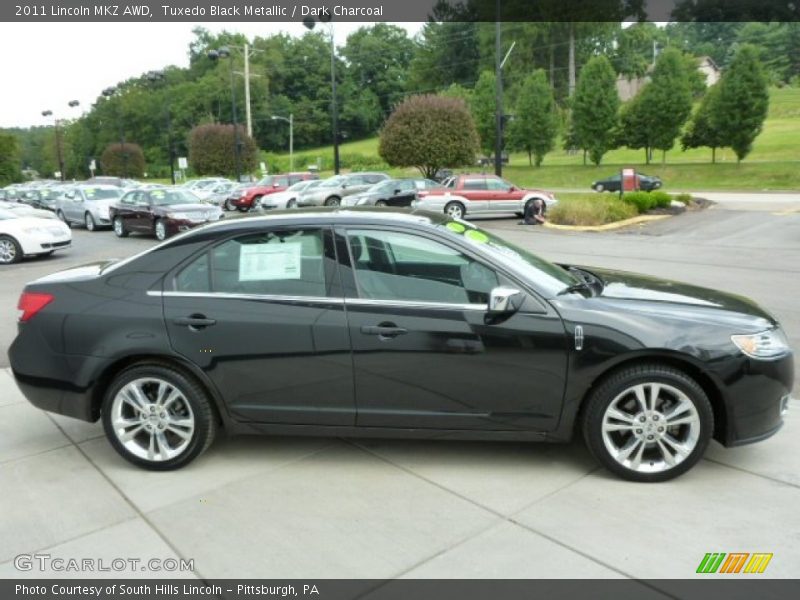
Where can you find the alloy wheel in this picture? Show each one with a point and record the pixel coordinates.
(8, 251)
(454, 210)
(161, 231)
(89, 220)
(152, 419)
(650, 427)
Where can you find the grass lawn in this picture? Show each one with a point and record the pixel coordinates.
(774, 163)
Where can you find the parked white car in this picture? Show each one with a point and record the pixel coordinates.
(25, 210)
(30, 236)
(288, 197)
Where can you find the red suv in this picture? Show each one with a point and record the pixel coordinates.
(248, 198)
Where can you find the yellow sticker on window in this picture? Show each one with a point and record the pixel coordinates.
(477, 236)
(457, 227)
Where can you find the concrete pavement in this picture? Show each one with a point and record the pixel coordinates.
(314, 508)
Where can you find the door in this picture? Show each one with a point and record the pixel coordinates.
(477, 192)
(73, 206)
(403, 193)
(424, 354)
(502, 199)
(258, 315)
(126, 209)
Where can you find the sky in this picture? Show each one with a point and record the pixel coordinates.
(60, 62)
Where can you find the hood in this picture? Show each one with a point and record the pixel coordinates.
(621, 285)
(188, 207)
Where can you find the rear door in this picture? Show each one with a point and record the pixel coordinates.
(262, 314)
(476, 191)
(404, 193)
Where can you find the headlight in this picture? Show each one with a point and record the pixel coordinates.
(764, 346)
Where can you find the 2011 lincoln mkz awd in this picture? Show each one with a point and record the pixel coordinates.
(389, 323)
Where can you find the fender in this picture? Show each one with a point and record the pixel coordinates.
(543, 197)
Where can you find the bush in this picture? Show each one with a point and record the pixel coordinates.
(212, 150)
(123, 160)
(683, 198)
(591, 210)
(644, 201)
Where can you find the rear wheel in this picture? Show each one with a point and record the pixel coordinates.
(291, 203)
(333, 201)
(598, 187)
(88, 220)
(648, 423)
(60, 214)
(158, 418)
(381, 203)
(455, 210)
(119, 228)
(10, 250)
(229, 205)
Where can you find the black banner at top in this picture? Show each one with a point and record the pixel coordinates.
(235, 11)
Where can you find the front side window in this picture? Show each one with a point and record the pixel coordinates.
(496, 184)
(282, 263)
(400, 266)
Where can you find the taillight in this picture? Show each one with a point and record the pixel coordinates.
(31, 303)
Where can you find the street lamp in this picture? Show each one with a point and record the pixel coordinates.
(290, 121)
(215, 55)
(59, 150)
(155, 77)
(309, 23)
(108, 92)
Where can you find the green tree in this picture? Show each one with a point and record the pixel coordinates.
(212, 150)
(123, 160)
(9, 159)
(429, 132)
(483, 106)
(594, 108)
(700, 132)
(535, 123)
(742, 103)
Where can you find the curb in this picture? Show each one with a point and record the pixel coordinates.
(608, 226)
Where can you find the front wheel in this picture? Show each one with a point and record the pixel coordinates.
(60, 214)
(161, 230)
(333, 201)
(648, 423)
(119, 228)
(598, 187)
(88, 220)
(157, 418)
(229, 205)
(381, 203)
(291, 203)
(454, 210)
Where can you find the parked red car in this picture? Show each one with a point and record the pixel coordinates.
(248, 198)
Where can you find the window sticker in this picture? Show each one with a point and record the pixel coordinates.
(457, 227)
(477, 236)
(265, 262)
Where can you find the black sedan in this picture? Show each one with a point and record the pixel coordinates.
(161, 212)
(389, 323)
(392, 192)
(646, 183)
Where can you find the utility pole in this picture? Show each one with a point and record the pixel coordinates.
(247, 89)
(498, 62)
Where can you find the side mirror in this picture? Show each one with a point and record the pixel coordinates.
(504, 300)
(512, 188)
(397, 192)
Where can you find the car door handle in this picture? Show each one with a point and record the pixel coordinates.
(194, 322)
(384, 331)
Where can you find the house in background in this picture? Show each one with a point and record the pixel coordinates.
(627, 88)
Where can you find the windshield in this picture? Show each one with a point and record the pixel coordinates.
(333, 182)
(101, 194)
(538, 270)
(165, 197)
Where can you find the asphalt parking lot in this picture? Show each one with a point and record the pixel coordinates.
(338, 508)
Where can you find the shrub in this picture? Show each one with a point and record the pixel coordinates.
(591, 211)
(212, 150)
(644, 201)
(123, 160)
(684, 198)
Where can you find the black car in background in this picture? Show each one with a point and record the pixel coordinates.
(392, 192)
(646, 183)
(160, 212)
(389, 323)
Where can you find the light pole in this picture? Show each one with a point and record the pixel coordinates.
(108, 92)
(224, 52)
(57, 131)
(290, 121)
(309, 23)
(154, 77)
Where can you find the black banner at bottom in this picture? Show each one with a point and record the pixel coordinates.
(729, 588)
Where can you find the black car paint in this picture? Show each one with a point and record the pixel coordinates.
(142, 217)
(456, 375)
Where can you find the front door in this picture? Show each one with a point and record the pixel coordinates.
(424, 354)
(256, 313)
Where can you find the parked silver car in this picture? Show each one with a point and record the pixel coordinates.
(87, 205)
(331, 191)
(288, 197)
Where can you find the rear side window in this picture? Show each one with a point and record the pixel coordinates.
(283, 263)
(475, 184)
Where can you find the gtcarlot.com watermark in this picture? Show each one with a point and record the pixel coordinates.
(56, 564)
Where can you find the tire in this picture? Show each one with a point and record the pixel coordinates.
(10, 250)
(615, 404)
(119, 228)
(88, 221)
(291, 203)
(455, 210)
(333, 201)
(253, 206)
(180, 427)
(229, 206)
(160, 230)
(63, 217)
(599, 187)
(381, 203)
